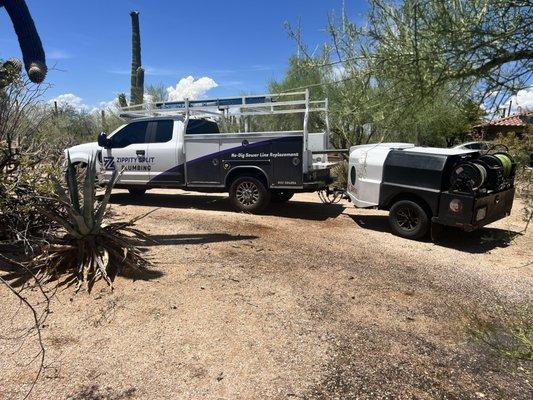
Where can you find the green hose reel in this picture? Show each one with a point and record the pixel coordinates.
(507, 163)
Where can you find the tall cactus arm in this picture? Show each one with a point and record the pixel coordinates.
(29, 40)
(135, 53)
(139, 87)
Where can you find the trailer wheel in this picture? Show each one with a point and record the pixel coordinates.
(409, 220)
(248, 194)
(137, 191)
(281, 196)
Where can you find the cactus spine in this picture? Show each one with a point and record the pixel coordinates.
(137, 71)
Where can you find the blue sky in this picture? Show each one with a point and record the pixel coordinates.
(239, 44)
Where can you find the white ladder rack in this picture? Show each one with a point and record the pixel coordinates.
(267, 104)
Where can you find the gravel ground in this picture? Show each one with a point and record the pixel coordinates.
(307, 301)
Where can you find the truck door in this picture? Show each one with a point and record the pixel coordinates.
(129, 152)
(165, 148)
(202, 147)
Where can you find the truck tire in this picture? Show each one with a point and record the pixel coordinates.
(249, 194)
(281, 196)
(409, 220)
(137, 191)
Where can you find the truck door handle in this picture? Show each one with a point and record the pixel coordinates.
(140, 152)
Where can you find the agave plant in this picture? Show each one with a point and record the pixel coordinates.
(86, 248)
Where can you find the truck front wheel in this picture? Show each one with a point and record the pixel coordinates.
(409, 220)
(248, 194)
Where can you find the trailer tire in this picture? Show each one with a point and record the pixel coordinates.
(249, 194)
(137, 191)
(409, 220)
(281, 196)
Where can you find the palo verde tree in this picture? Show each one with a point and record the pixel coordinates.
(461, 46)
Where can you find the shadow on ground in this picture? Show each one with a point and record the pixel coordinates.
(183, 239)
(291, 209)
(479, 241)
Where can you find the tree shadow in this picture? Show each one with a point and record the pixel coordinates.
(476, 242)
(191, 239)
(292, 209)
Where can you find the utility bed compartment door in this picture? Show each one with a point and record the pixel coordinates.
(286, 156)
(203, 161)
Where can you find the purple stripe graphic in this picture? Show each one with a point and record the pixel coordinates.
(176, 168)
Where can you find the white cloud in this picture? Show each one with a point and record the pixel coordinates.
(523, 100)
(69, 99)
(111, 106)
(190, 88)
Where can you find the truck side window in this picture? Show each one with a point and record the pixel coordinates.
(163, 131)
(201, 127)
(130, 134)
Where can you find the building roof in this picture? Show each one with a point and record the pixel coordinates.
(518, 119)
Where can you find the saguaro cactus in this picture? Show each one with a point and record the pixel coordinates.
(9, 72)
(29, 40)
(137, 72)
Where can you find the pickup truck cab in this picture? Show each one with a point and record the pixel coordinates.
(177, 150)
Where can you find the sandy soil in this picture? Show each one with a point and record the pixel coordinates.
(307, 301)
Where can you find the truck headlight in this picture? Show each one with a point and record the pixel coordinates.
(481, 213)
(456, 206)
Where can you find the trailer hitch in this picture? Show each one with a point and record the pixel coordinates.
(332, 195)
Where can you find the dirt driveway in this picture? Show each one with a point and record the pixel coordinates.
(307, 301)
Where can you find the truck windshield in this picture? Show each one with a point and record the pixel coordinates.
(201, 127)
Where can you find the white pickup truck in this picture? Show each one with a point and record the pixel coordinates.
(179, 145)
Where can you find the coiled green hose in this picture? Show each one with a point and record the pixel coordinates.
(507, 163)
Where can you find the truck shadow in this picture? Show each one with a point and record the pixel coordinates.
(479, 241)
(292, 209)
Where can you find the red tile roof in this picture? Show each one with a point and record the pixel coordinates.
(511, 120)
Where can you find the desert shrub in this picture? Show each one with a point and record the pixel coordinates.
(507, 330)
(340, 175)
(521, 149)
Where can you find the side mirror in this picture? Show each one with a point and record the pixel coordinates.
(103, 141)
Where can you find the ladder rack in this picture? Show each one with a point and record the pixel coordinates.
(268, 104)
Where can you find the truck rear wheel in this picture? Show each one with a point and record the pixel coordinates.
(281, 196)
(248, 194)
(409, 220)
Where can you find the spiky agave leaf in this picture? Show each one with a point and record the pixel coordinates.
(72, 184)
(89, 250)
(89, 196)
(105, 200)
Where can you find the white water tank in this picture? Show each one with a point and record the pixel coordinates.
(365, 171)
